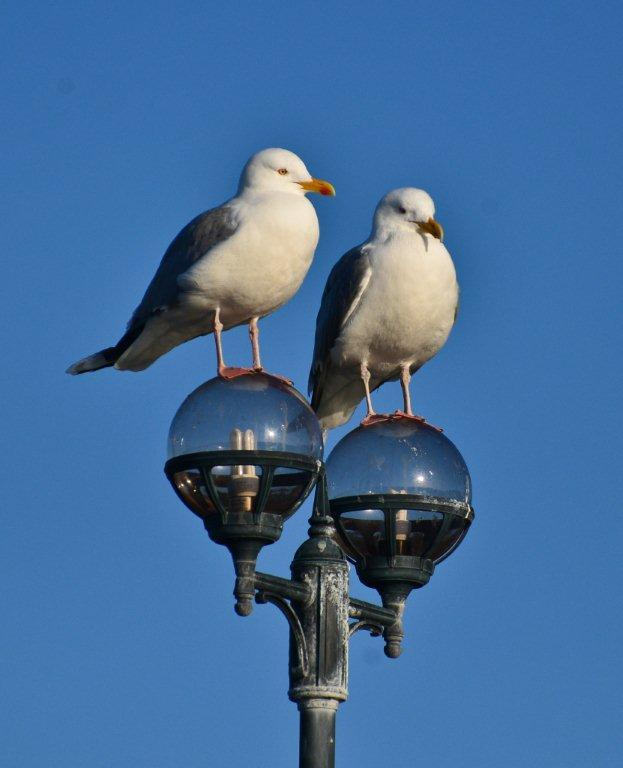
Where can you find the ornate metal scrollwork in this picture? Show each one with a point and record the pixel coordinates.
(376, 630)
(264, 596)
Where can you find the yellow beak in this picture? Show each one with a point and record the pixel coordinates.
(318, 185)
(433, 228)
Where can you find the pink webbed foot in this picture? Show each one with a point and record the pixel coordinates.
(229, 372)
(415, 417)
(275, 377)
(375, 418)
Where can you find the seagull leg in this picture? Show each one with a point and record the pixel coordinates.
(254, 333)
(226, 372)
(371, 417)
(218, 330)
(365, 377)
(405, 379)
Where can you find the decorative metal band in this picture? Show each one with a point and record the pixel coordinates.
(231, 458)
(401, 501)
(388, 502)
(205, 461)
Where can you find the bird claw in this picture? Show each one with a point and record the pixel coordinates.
(415, 417)
(275, 377)
(229, 372)
(377, 418)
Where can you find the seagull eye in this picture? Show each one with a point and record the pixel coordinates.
(402, 210)
(282, 171)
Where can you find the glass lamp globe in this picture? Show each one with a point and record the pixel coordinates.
(243, 454)
(234, 443)
(400, 494)
(278, 415)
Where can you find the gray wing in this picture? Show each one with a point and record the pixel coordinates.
(344, 287)
(194, 241)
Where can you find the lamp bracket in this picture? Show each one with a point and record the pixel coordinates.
(378, 621)
(376, 630)
(370, 613)
(265, 596)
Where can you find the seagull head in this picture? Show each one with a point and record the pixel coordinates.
(407, 209)
(279, 170)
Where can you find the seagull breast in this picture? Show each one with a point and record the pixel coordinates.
(262, 266)
(406, 310)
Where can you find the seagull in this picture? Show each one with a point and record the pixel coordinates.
(388, 307)
(229, 266)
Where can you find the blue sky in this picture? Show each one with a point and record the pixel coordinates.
(121, 122)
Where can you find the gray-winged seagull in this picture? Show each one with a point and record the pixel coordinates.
(230, 265)
(388, 307)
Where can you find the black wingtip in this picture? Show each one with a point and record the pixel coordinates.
(103, 359)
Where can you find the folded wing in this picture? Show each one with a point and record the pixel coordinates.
(342, 294)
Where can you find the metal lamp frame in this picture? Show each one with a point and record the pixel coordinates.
(390, 502)
(315, 601)
(244, 534)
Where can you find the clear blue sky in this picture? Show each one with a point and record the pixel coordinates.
(121, 121)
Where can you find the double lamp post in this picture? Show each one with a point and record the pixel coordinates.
(394, 498)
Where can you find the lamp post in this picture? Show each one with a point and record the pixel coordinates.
(394, 498)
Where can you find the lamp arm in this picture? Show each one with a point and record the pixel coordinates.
(287, 588)
(379, 621)
(278, 591)
(359, 609)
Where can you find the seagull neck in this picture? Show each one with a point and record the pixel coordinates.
(383, 233)
(253, 194)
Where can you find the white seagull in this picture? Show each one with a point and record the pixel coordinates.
(230, 265)
(388, 307)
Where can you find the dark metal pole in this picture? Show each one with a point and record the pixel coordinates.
(319, 675)
(316, 604)
(317, 735)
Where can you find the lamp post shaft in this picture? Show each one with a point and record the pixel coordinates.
(319, 674)
(317, 734)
